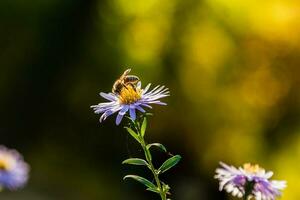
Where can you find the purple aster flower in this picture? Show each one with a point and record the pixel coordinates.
(13, 170)
(249, 180)
(129, 100)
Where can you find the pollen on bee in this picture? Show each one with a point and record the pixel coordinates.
(129, 94)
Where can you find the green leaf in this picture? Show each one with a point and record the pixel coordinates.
(162, 147)
(141, 180)
(148, 114)
(171, 162)
(128, 117)
(133, 134)
(144, 126)
(153, 190)
(135, 161)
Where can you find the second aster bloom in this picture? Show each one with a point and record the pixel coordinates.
(250, 180)
(13, 170)
(129, 100)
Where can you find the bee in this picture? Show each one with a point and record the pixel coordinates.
(125, 80)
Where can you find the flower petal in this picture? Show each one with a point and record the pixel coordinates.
(146, 88)
(105, 115)
(108, 96)
(132, 113)
(119, 119)
(121, 114)
(140, 108)
(146, 105)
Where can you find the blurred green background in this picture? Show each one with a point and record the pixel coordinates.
(232, 68)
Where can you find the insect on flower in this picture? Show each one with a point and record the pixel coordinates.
(128, 96)
(124, 81)
(250, 180)
(13, 170)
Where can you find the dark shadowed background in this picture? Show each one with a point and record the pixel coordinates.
(232, 68)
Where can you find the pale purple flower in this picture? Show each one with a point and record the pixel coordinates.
(237, 180)
(13, 170)
(129, 100)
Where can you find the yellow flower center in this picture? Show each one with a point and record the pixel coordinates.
(6, 162)
(129, 95)
(254, 169)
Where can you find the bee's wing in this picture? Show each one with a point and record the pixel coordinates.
(132, 77)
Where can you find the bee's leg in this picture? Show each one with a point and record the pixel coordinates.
(124, 85)
(133, 86)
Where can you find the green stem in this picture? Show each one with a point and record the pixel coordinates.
(153, 170)
(148, 157)
(248, 189)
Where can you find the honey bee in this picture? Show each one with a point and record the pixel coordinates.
(125, 80)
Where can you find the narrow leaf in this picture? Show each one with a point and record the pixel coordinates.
(144, 126)
(162, 147)
(171, 162)
(128, 117)
(153, 190)
(141, 180)
(148, 114)
(135, 161)
(133, 134)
